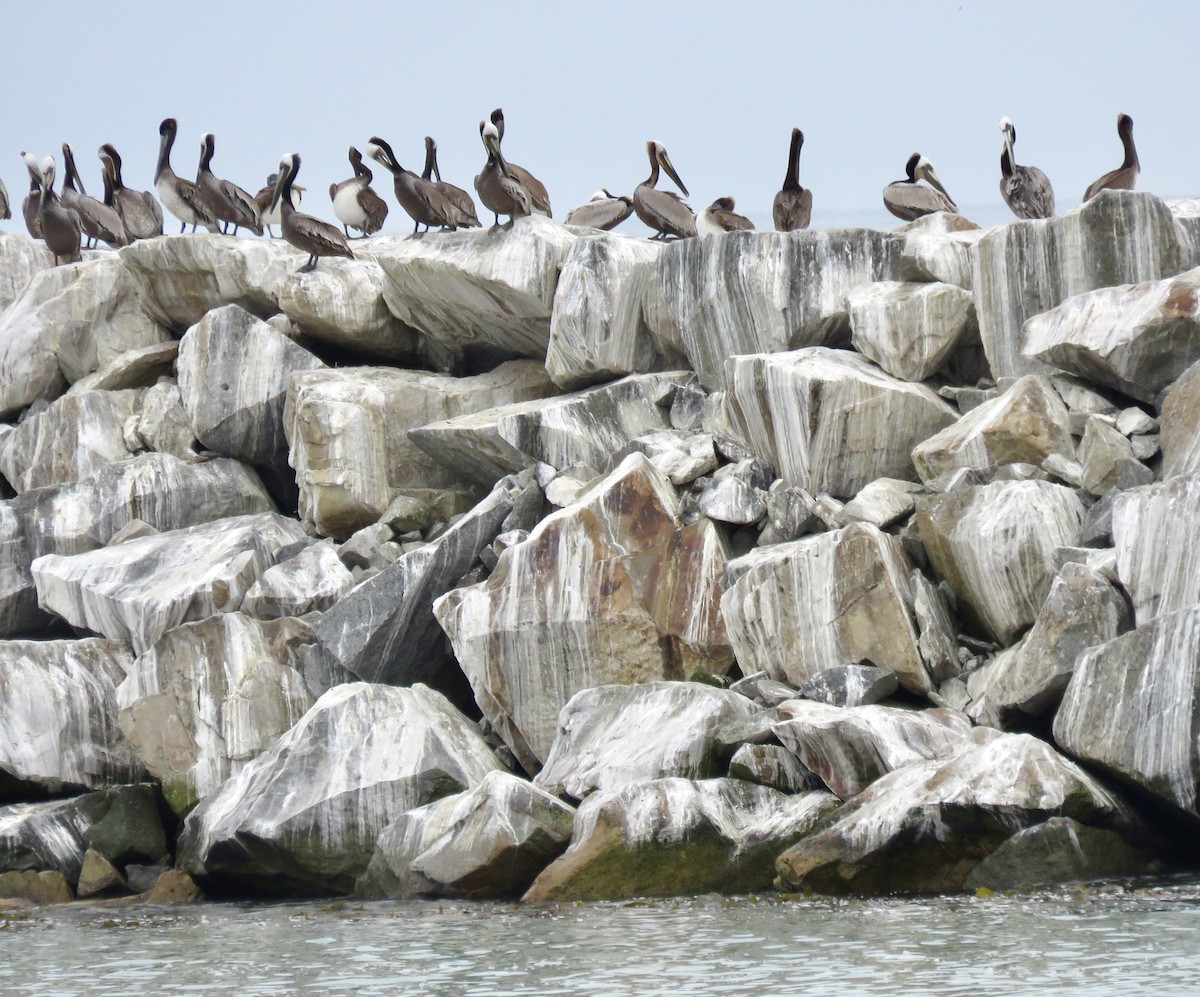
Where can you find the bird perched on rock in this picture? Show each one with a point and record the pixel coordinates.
(270, 216)
(664, 211)
(603, 210)
(355, 204)
(230, 203)
(500, 191)
(306, 233)
(720, 217)
(538, 195)
(793, 204)
(1124, 177)
(908, 200)
(139, 210)
(1025, 189)
(456, 195)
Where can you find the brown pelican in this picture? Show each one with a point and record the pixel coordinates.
(793, 204)
(1025, 189)
(500, 192)
(232, 205)
(355, 203)
(663, 210)
(908, 200)
(5, 210)
(421, 200)
(270, 216)
(1125, 176)
(139, 210)
(604, 211)
(60, 227)
(720, 217)
(29, 206)
(537, 190)
(98, 221)
(181, 197)
(457, 196)
(313, 236)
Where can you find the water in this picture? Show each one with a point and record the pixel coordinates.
(1093, 941)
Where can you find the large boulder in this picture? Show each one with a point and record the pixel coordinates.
(1156, 533)
(1179, 420)
(940, 247)
(910, 330)
(310, 581)
(21, 259)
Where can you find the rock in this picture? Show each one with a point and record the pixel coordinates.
(731, 500)
(925, 827)
(407, 515)
(604, 740)
(58, 717)
(1133, 421)
(1156, 529)
(909, 330)
(139, 590)
(849, 748)
(233, 378)
(882, 502)
(773, 766)
(348, 432)
(612, 589)
(21, 259)
(128, 826)
(1108, 460)
(141, 878)
(1180, 425)
(850, 685)
(163, 425)
(381, 751)
(676, 837)
(1026, 424)
(761, 689)
(1000, 583)
(1025, 268)
(47, 887)
(1137, 339)
(96, 875)
(827, 419)
(681, 456)
(488, 842)
(311, 581)
(791, 513)
(940, 247)
(210, 696)
(136, 368)
(174, 887)
(796, 609)
(761, 292)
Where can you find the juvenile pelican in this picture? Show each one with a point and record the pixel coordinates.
(139, 210)
(456, 195)
(603, 211)
(60, 227)
(720, 217)
(98, 221)
(5, 210)
(313, 236)
(182, 197)
(232, 205)
(909, 200)
(537, 190)
(663, 210)
(270, 216)
(793, 204)
(500, 191)
(29, 206)
(1125, 176)
(1025, 189)
(420, 199)
(355, 204)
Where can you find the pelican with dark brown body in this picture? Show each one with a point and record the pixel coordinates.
(604, 211)
(793, 204)
(1124, 177)
(29, 205)
(1025, 189)
(139, 210)
(664, 211)
(720, 217)
(908, 200)
(500, 191)
(420, 199)
(456, 195)
(306, 233)
(271, 216)
(230, 203)
(60, 227)
(99, 222)
(355, 204)
(181, 197)
(538, 194)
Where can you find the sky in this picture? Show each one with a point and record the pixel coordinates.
(584, 87)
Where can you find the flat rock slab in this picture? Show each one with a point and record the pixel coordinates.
(909, 330)
(850, 685)
(1156, 530)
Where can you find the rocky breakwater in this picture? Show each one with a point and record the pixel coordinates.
(560, 565)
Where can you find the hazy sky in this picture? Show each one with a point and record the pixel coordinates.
(721, 85)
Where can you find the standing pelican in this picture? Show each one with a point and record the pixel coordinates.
(720, 217)
(500, 191)
(1125, 176)
(456, 195)
(270, 216)
(29, 206)
(421, 200)
(182, 197)
(355, 203)
(909, 200)
(537, 190)
(313, 236)
(663, 210)
(232, 205)
(1025, 189)
(5, 210)
(139, 210)
(603, 211)
(793, 204)
(98, 221)
(60, 227)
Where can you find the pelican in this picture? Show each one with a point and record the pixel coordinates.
(182, 197)
(139, 210)
(908, 200)
(603, 211)
(313, 236)
(421, 200)
(537, 190)
(355, 203)
(263, 200)
(1025, 189)
(500, 191)
(720, 217)
(60, 227)
(457, 196)
(1125, 176)
(232, 205)
(5, 210)
(793, 204)
(663, 210)
(29, 206)
(98, 221)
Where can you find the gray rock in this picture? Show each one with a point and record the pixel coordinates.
(687, 408)
(1156, 534)
(681, 456)
(407, 515)
(1180, 415)
(136, 368)
(940, 247)
(909, 330)
(163, 425)
(21, 259)
(1133, 421)
(762, 689)
(311, 581)
(882, 502)
(790, 514)
(774, 766)
(1108, 460)
(42, 888)
(850, 685)
(731, 500)
(97, 875)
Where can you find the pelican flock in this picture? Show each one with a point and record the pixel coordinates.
(507, 190)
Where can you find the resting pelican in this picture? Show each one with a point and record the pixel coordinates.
(421, 200)
(270, 216)
(908, 200)
(313, 236)
(456, 195)
(604, 211)
(139, 210)
(1125, 176)
(500, 191)
(98, 221)
(793, 204)
(60, 227)
(232, 205)
(29, 206)
(182, 197)
(537, 190)
(663, 210)
(1025, 189)
(720, 217)
(5, 210)
(355, 204)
